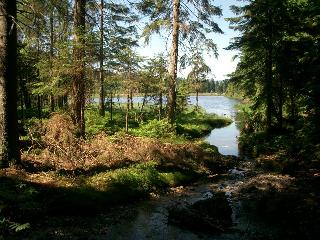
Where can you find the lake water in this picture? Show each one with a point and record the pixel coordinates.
(226, 138)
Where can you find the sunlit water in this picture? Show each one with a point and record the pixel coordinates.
(226, 138)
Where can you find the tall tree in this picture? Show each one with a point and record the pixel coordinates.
(117, 33)
(101, 56)
(78, 82)
(9, 148)
(173, 60)
(186, 20)
(261, 25)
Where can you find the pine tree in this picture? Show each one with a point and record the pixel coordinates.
(78, 83)
(186, 20)
(9, 148)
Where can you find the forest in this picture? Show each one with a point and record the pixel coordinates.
(100, 142)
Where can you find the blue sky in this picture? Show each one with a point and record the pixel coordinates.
(221, 66)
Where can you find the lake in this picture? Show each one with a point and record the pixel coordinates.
(226, 138)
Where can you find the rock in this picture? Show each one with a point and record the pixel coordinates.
(208, 215)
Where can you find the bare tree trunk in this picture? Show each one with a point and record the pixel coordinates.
(173, 62)
(78, 86)
(9, 138)
(102, 98)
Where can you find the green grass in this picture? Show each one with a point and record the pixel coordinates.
(190, 124)
(196, 123)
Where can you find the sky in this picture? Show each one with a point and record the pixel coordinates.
(220, 67)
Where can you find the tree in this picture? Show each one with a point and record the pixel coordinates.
(101, 56)
(261, 26)
(279, 60)
(9, 148)
(198, 73)
(117, 33)
(186, 20)
(157, 71)
(78, 83)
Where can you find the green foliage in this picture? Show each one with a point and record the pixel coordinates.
(278, 69)
(182, 95)
(196, 123)
(160, 14)
(156, 129)
(95, 122)
(172, 179)
(8, 226)
(138, 180)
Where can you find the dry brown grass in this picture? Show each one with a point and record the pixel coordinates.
(61, 150)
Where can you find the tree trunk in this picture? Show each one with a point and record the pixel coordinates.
(26, 95)
(78, 86)
(60, 102)
(173, 62)
(22, 108)
(268, 73)
(280, 114)
(102, 98)
(160, 105)
(111, 106)
(127, 113)
(143, 102)
(39, 106)
(52, 104)
(65, 100)
(9, 138)
(293, 117)
(131, 99)
(197, 99)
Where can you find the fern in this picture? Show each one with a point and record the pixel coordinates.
(17, 227)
